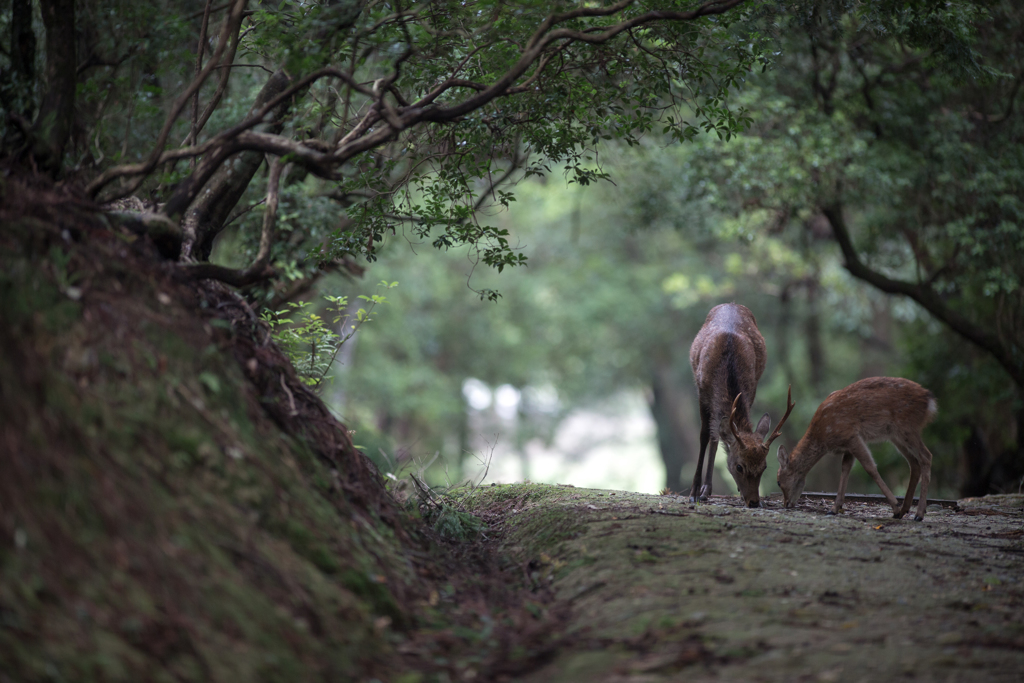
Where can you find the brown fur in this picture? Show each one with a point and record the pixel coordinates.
(728, 359)
(869, 411)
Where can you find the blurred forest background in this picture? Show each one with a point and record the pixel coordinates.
(580, 373)
(853, 172)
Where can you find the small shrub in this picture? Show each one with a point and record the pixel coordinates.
(307, 339)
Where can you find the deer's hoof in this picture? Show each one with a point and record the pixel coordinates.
(897, 515)
(831, 513)
(918, 518)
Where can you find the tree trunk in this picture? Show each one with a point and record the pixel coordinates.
(16, 82)
(205, 201)
(1005, 473)
(206, 215)
(670, 404)
(812, 330)
(23, 41)
(56, 112)
(782, 328)
(976, 459)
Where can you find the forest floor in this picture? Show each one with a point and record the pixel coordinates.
(659, 589)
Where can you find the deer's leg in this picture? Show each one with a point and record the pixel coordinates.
(863, 454)
(705, 490)
(925, 458)
(844, 479)
(910, 453)
(705, 433)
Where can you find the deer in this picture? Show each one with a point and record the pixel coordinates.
(871, 410)
(728, 359)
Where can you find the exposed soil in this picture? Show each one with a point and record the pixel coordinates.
(660, 589)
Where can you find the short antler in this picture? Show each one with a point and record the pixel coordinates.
(778, 427)
(732, 416)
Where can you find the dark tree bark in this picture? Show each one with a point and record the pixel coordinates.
(677, 437)
(205, 217)
(16, 81)
(812, 330)
(210, 199)
(23, 40)
(56, 112)
(976, 463)
(782, 328)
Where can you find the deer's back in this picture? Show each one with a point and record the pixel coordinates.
(728, 352)
(874, 409)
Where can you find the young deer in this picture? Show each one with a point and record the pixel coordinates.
(869, 411)
(728, 358)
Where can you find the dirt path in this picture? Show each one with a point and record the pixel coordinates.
(663, 590)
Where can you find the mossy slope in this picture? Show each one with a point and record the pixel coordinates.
(165, 512)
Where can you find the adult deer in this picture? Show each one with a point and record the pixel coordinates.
(869, 411)
(728, 359)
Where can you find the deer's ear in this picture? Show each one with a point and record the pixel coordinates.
(763, 425)
(783, 457)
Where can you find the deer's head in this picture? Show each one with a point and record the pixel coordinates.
(747, 458)
(789, 480)
(748, 451)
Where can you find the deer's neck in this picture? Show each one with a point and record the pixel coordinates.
(805, 456)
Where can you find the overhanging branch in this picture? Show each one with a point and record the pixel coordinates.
(419, 112)
(231, 26)
(258, 134)
(544, 36)
(927, 297)
(260, 268)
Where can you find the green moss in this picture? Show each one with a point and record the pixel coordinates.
(457, 525)
(543, 530)
(499, 493)
(374, 590)
(186, 538)
(27, 294)
(306, 545)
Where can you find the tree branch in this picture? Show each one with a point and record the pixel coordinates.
(222, 87)
(259, 270)
(206, 197)
(231, 25)
(211, 175)
(1011, 359)
(165, 233)
(255, 117)
(544, 36)
(200, 51)
(358, 140)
